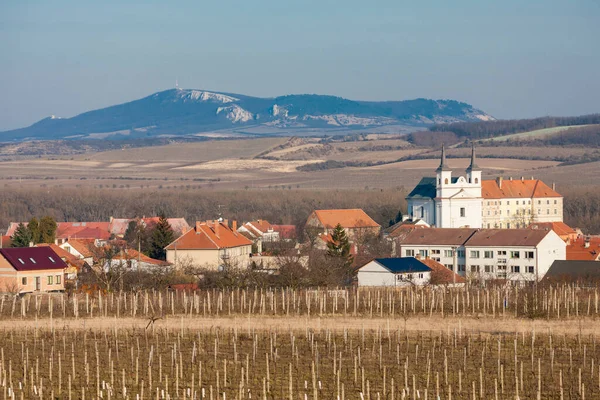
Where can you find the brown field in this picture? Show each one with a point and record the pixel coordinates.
(293, 344)
(270, 162)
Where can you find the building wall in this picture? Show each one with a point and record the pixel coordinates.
(443, 254)
(373, 274)
(422, 209)
(211, 258)
(458, 204)
(551, 248)
(520, 212)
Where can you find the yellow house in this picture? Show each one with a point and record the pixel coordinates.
(31, 269)
(211, 244)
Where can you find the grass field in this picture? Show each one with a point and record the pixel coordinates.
(303, 344)
(536, 134)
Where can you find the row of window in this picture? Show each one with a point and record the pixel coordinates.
(496, 203)
(51, 280)
(408, 277)
(473, 254)
(35, 262)
(516, 269)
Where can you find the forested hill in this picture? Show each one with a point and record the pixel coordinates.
(490, 129)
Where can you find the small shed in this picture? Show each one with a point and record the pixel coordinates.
(394, 272)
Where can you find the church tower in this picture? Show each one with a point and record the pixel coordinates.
(473, 171)
(443, 175)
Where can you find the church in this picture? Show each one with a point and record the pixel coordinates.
(467, 201)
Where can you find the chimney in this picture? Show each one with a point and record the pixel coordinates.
(226, 222)
(198, 223)
(234, 225)
(217, 228)
(499, 181)
(31, 244)
(522, 179)
(586, 244)
(110, 219)
(510, 178)
(554, 186)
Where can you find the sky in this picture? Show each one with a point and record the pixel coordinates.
(510, 58)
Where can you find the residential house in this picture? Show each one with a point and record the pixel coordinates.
(134, 260)
(569, 271)
(210, 244)
(75, 265)
(468, 201)
(5, 241)
(31, 269)
(82, 249)
(258, 232)
(356, 223)
(585, 248)
(394, 272)
(286, 232)
(514, 254)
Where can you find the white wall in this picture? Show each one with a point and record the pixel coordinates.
(551, 248)
(374, 274)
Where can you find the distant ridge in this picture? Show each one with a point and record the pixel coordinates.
(180, 112)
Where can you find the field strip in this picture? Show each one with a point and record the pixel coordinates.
(585, 326)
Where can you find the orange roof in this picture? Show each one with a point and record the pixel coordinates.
(350, 218)
(82, 246)
(260, 224)
(443, 274)
(527, 189)
(576, 250)
(62, 253)
(560, 228)
(6, 241)
(208, 236)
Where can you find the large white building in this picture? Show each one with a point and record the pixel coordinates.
(513, 254)
(468, 201)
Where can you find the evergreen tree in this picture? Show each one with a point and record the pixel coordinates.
(339, 246)
(162, 235)
(21, 237)
(138, 237)
(47, 230)
(34, 228)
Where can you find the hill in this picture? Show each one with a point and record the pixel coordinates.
(180, 112)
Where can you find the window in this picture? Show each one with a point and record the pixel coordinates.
(21, 261)
(24, 281)
(517, 202)
(548, 211)
(508, 202)
(410, 253)
(447, 253)
(500, 202)
(529, 254)
(436, 259)
(476, 180)
(539, 211)
(539, 202)
(462, 211)
(507, 212)
(461, 267)
(555, 202)
(501, 252)
(515, 269)
(474, 268)
(474, 254)
(555, 211)
(423, 253)
(50, 279)
(502, 261)
(32, 260)
(500, 212)
(435, 252)
(449, 266)
(515, 254)
(422, 212)
(58, 279)
(489, 268)
(400, 277)
(51, 259)
(530, 269)
(446, 181)
(488, 254)
(421, 276)
(508, 225)
(460, 253)
(547, 201)
(489, 212)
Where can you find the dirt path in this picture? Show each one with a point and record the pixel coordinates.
(483, 325)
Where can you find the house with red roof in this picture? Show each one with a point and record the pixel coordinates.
(74, 264)
(211, 244)
(31, 269)
(355, 222)
(81, 248)
(118, 226)
(258, 231)
(135, 260)
(563, 230)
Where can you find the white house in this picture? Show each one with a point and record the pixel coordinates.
(513, 254)
(394, 272)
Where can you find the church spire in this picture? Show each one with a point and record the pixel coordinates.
(473, 165)
(443, 166)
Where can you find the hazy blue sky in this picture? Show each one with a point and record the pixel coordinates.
(511, 58)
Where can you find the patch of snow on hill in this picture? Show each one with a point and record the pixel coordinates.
(203, 95)
(349, 120)
(55, 117)
(236, 113)
(277, 110)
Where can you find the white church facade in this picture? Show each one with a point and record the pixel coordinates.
(467, 201)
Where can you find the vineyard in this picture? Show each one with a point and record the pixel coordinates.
(48, 351)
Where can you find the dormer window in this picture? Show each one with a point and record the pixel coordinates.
(21, 261)
(51, 259)
(32, 260)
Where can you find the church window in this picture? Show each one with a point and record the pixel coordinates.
(476, 180)
(446, 181)
(462, 211)
(422, 212)
(439, 181)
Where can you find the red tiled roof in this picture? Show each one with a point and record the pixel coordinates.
(207, 235)
(64, 228)
(82, 246)
(285, 231)
(507, 237)
(260, 224)
(118, 226)
(63, 254)
(443, 274)
(44, 258)
(6, 241)
(350, 218)
(84, 233)
(438, 236)
(576, 250)
(527, 188)
(560, 228)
